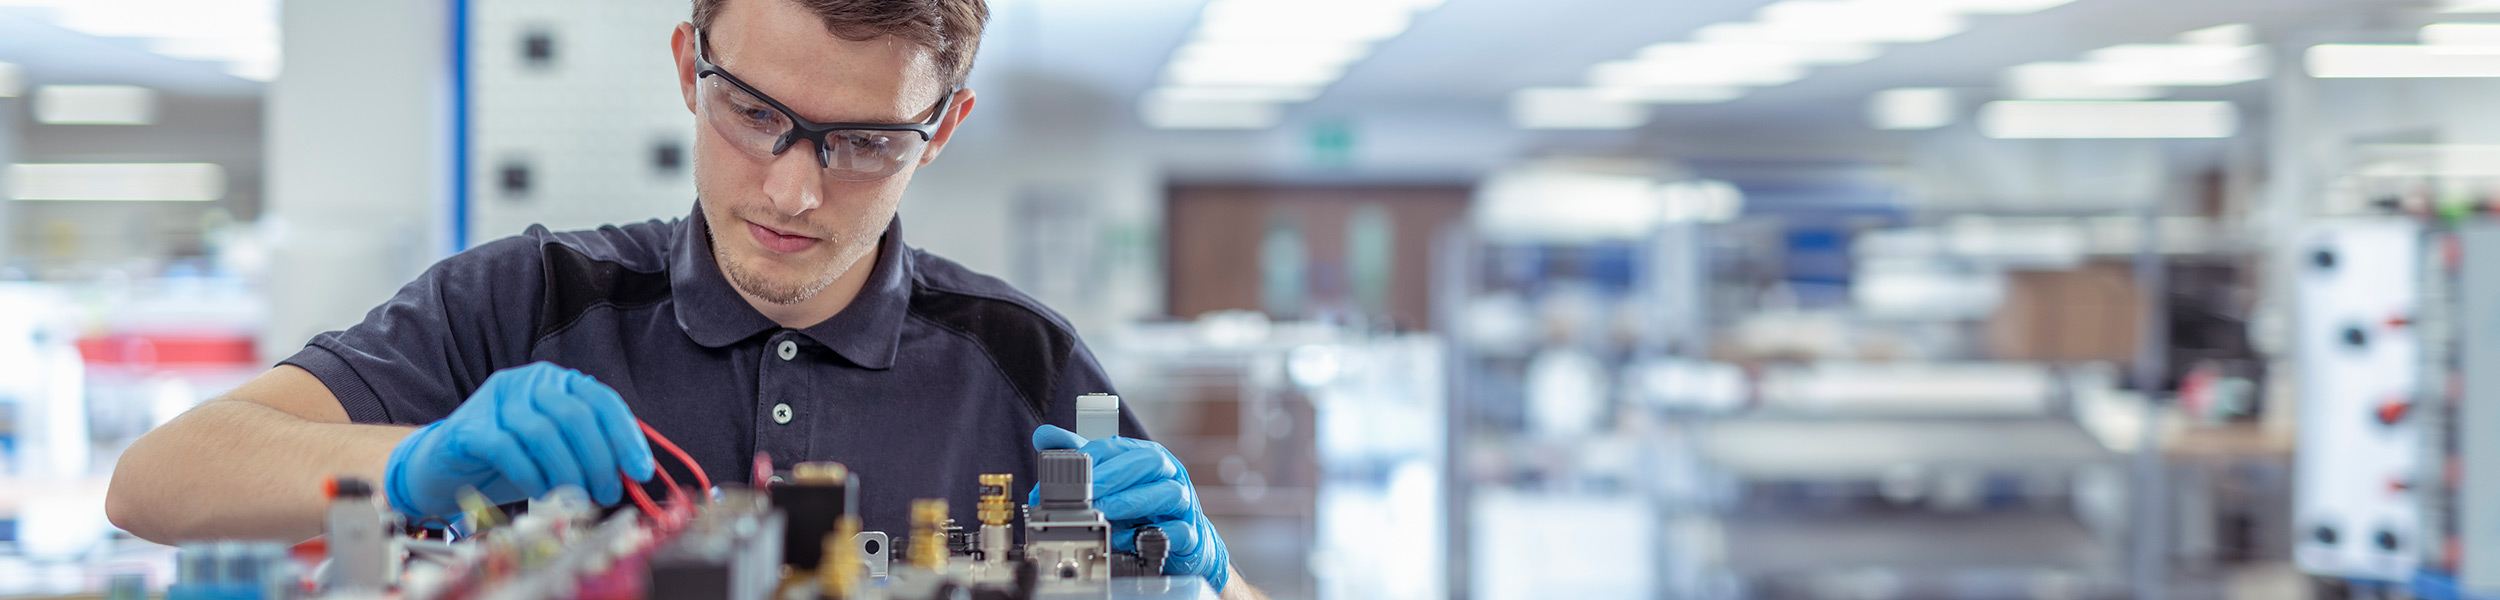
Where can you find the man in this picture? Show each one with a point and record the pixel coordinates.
(784, 316)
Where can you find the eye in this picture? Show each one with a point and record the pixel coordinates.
(871, 143)
(758, 115)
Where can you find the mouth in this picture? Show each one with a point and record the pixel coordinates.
(780, 242)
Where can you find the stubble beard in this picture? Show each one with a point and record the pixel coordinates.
(750, 281)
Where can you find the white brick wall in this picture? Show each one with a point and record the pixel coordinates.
(586, 124)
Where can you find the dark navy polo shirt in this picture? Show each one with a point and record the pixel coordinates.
(932, 376)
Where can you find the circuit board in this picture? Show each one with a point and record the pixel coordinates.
(798, 538)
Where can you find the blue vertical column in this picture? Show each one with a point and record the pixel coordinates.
(457, 227)
(10, 108)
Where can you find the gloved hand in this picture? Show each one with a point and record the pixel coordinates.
(526, 430)
(1137, 482)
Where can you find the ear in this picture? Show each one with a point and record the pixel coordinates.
(681, 46)
(955, 112)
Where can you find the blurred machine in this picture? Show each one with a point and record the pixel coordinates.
(2355, 506)
(2400, 414)
(797, 538)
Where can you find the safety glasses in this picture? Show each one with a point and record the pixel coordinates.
(763, 127)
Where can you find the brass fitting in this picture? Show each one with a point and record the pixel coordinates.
(839, 574)
(820, 473)
(928, 533)
(996, 508)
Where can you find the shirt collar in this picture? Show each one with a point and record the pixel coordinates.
(714, 315)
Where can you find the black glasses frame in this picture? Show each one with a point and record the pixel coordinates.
(803, 129)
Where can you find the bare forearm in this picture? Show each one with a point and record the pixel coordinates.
(234, 469)
(1240, 590)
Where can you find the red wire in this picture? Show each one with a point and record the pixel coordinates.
(679, 509)
(702, 483)
(641, 499)
(763, 471)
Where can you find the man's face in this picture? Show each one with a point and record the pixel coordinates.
(781, 229)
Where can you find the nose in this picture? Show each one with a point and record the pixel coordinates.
(793, 182)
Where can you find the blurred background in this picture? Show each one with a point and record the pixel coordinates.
(1494, 299)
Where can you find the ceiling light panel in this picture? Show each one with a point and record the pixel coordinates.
(2176, 64)
(240, 35)
(1911, 108)
(12, 80)
(2462, 38)
(2397, 61)
(1784, 43)
(2218, 55)
(1672, 94)
(2028, 119)
(1169, 112)
(1649, 73)
(95, 105)
(1573, 108)
(1982, 7)
(2469, 6)
(2068, 81)
(1246, 59)
(120, 182)
(1760, 52)
(1855, 21)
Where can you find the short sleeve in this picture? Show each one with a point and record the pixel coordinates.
(417, 356)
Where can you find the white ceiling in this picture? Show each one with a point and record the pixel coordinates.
(51, 54)
(1431, 103)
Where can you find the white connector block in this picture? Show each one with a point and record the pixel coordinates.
(1097, 416)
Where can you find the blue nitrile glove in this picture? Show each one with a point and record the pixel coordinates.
(527, 430)
(1137, 482)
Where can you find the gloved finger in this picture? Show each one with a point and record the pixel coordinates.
(1051, 437)
(1132, 469)
(500, 490)
(409, 461)
(616, 423)
(1183, 539)
(539, 434)
(1156, 501)
(1107, 448)
(1103, 450)
(583, 438)
(494, 447)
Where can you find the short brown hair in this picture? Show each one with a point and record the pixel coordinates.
(951, 29)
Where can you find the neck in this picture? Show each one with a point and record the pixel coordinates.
(827, 302)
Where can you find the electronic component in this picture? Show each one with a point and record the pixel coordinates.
(928, 533)
(2358, 357)
(357, 531)
(233, 571)
(997, 515)
(873, 547)
(798, 539)
(1153, 548)
(815, 498)
(732, 549)
(838, 575)
(1064, 536)
(1097, 416)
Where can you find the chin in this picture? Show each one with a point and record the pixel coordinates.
(776, 278)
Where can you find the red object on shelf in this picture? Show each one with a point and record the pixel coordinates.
(2392, 411)
(169, 349)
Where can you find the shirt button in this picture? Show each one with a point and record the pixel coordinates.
(781, 413)
(789, 350)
